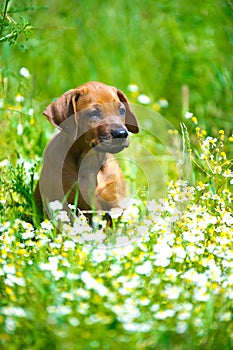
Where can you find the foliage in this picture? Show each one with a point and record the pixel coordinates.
(173, 286)
(10, 29)
(161, 276)
(160, 45)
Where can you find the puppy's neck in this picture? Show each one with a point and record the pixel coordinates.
(86, 157)
(92, 161)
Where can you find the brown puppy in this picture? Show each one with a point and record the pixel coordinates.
(79, 166)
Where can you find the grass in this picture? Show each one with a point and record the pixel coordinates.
(160, 45)
(161, 278)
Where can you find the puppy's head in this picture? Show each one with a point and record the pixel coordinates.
(101, 113)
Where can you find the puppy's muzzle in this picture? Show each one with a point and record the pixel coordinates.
(113, 142)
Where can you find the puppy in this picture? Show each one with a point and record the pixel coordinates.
(79, 167)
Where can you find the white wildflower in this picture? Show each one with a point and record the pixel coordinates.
(144, 269)
(195, 236)
(27, 226)
(63, 216)
(85, 294)
(134, 282)
(11, 280)
(46, 225)
(122, 240)
(227, 218)
(4, 162)
(9, 269)
(122, 251)
(181, 327)
(31, 112)
(161, 260)
(126, 312)
(60, 309)
(180, 253)
(188, 115)
(163, 314)
(132, 88)
(193, 276)
(99, 236)
(52, 265)
(56, 205)
(163, 102)
(19, 98)
(14, 311)
(143, 99)
(201, 294)
(130, 212)
(152, 205)
(10, 325)
(171, 274)
(90, 283)
(19, 129)
(88, 279)
(58, 274)
(138, 327)
(115, 213)
(226, 317)
(28, 235)
(209, 142)
(98, 255)
(162, 248)
(24, 72)
(69, 245)
(74, 322)
(172, 292)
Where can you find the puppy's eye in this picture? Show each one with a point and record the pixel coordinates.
(94, 114)
(122, 111)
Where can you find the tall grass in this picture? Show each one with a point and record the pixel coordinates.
(161, 276)
(160, 45)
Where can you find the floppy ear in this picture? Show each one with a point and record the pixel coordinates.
(130, 118)
(61, 109)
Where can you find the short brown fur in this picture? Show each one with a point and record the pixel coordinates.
(81, 155)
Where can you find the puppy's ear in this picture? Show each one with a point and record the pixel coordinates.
(130, 118)
(61, 109)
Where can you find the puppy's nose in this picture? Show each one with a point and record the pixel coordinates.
(119, 133)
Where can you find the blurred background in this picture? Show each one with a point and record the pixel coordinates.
(177, 50)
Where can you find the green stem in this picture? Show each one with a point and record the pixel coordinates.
(4, 16)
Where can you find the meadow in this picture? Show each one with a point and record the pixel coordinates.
(161, 277)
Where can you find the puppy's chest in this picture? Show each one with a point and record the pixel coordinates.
(110, 186)
(99, 183)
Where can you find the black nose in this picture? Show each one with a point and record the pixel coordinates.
(119, 133)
